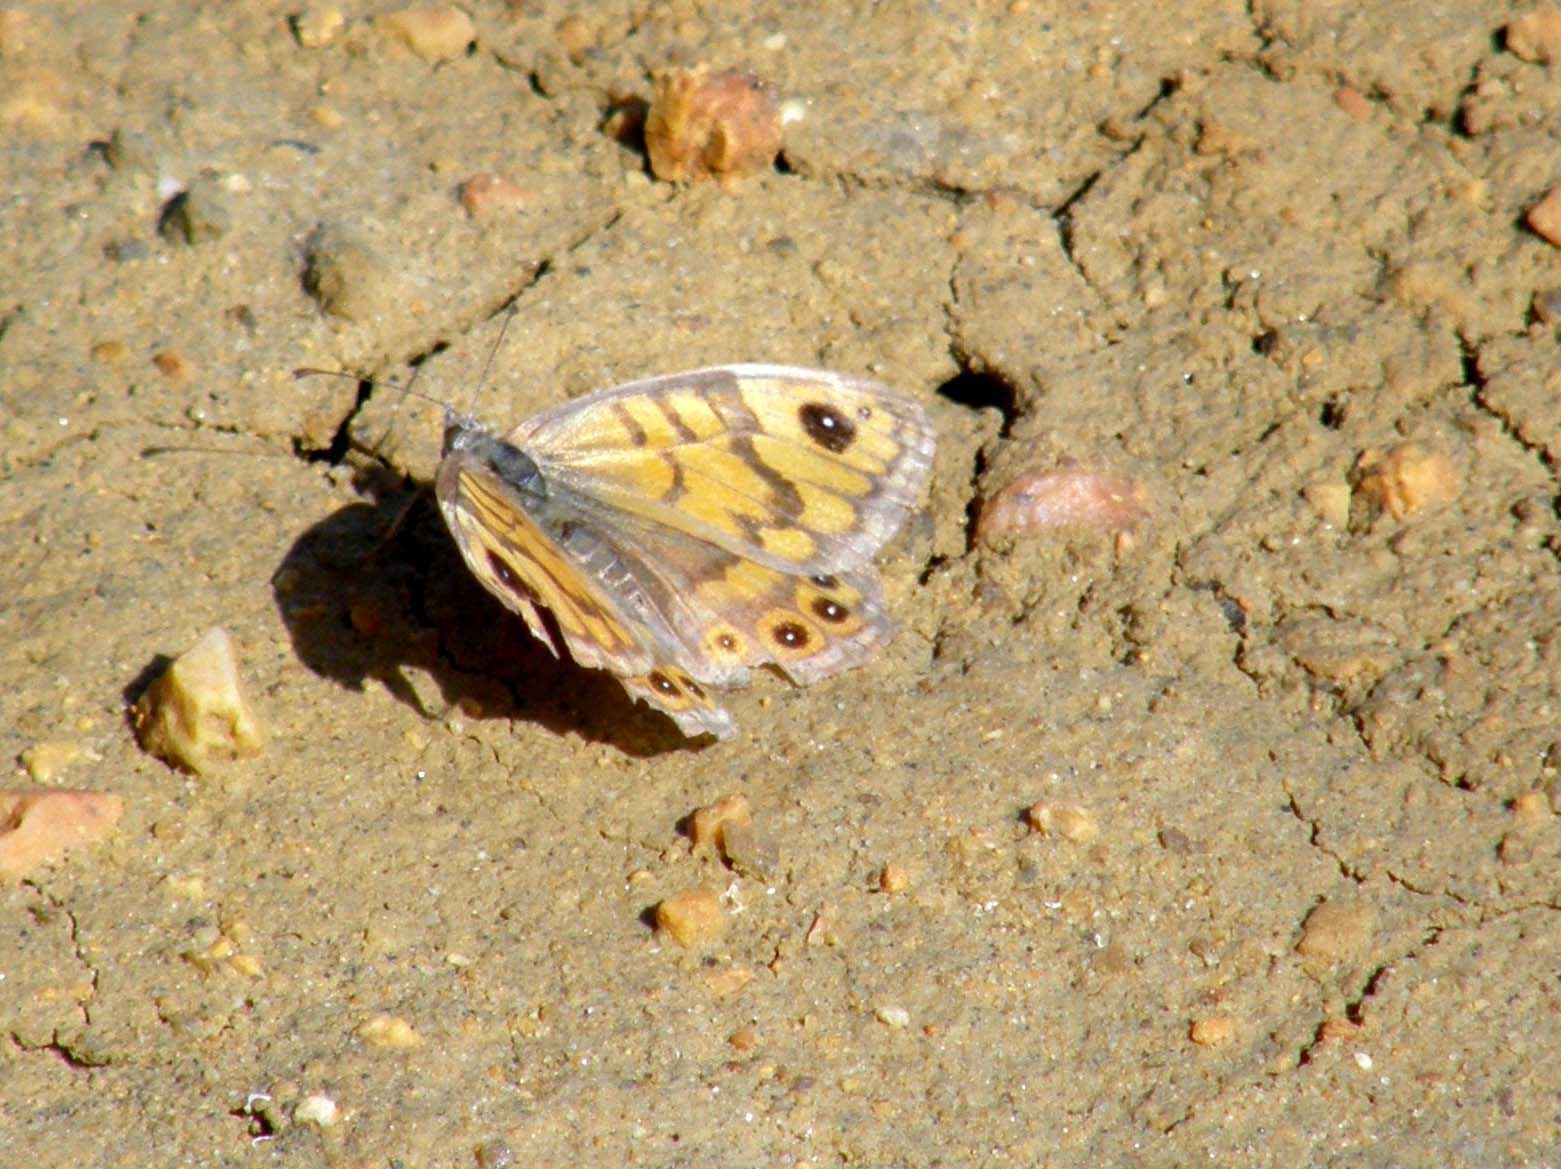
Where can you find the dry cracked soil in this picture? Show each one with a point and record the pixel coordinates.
(1295, 736)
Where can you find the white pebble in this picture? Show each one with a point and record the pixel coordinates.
(892, 1015)
(317, 1110)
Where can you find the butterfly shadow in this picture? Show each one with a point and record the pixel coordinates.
(377, 591)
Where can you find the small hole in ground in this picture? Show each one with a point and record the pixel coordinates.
(981, 391)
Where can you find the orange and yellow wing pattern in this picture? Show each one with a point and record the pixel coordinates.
(684, 529)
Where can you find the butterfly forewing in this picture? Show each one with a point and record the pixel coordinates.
(524, 567)
(804, 470)
(531, 564)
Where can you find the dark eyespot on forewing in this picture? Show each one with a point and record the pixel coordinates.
(826, 426)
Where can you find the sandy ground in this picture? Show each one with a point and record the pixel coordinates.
(1308, 910)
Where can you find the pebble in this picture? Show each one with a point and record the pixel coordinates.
(37, 827)
(494, 1155)
(892, 1015)
(576, 37)
(705, 125)
(1515, 848)
(1330, 499)
(708, 824)
(893, 878)
(173, 365)
(1335, 1029)
(691, 917)
(1174, 840)
(317, 1110)
(195, 715)
(1336, 930)
(1353, 102)
(45, 761)
(727, 826)
(487, 192)
(728, 980)
(1547, 305)
(314, 28)
(1532, 807)
(436, 33)
(743, 1039)
(198, 214)
(1404, 478)
(1070, 495)
(346, 276)
(1536, 36)
(1070, 821)
(749, 851)
(389, 1033)
(212, 950)
(1544, 218)
(822, 931)
(1212, 1030)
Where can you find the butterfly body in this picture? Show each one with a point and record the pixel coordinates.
(680, 530)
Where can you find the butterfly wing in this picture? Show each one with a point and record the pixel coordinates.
(723, 614)
(682, 529)
(531, 551)
(746, 502)
(805, 471)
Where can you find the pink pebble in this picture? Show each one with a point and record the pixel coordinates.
(487, 192)
(40, 825)
(1070, 495)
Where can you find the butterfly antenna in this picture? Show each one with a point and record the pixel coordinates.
(196, 449)
(304, 371)
(498, 343)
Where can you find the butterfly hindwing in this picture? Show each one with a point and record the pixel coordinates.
(726, 614)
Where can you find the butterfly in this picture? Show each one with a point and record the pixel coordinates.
(680, 530)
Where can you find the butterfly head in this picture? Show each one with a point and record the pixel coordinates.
(460, 430)
(468, 442)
